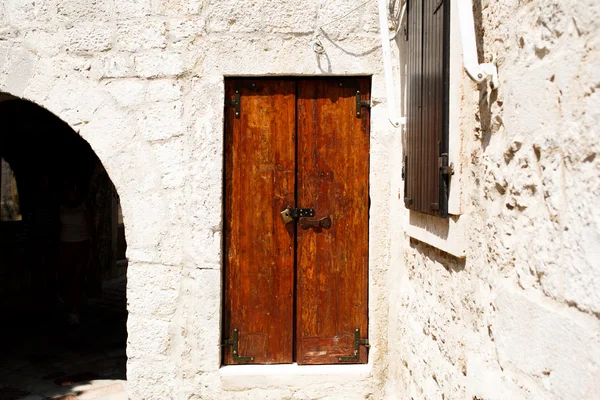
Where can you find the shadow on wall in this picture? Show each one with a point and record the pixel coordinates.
(449, 262)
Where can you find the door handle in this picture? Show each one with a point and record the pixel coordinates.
(324, 222)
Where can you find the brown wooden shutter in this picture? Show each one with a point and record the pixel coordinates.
(426, 149)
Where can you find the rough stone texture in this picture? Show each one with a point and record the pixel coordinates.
(142, 82)
(519, 316)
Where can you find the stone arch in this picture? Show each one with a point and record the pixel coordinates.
(92, 111)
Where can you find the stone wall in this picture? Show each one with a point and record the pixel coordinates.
(142, 82)
(518, 317)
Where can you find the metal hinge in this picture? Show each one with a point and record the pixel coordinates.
(235, 351)
(359, 103)
(445, 169)
(236, 97)
(357, 343)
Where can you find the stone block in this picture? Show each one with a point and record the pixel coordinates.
(153, 290)
(47, 42)
(20, 13)
(185, 30)
(171, 161)
(135, 35)
(179, 7)
(148, 338)
(88, 37)
(114, 65)
(127, 92)
(125, 9)
(20, 68)
(164, 90)
(548, 342)
(158, 64)
(151, 379)
(298, 16)
(89, 10)
(160, 121)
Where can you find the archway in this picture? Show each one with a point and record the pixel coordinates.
(63, 302)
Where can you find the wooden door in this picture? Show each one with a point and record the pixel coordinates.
(296, 291)
(259, 255)
(333, 176)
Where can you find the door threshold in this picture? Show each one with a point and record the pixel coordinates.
(251, 376)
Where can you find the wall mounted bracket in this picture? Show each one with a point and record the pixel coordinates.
(476, 71)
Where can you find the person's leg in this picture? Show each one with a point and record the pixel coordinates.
(81, 255)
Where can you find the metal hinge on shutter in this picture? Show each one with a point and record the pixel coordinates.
(235, 351)
(237, 97)
(357, 343)
(445, 169)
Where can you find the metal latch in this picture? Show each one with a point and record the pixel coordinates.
(235, 353)
(289, 214)
(357, 342)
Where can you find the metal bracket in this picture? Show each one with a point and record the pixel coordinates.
(357, 342)
(236, 97)
(302, 212)
(445, 168)
(361, 103)
(235, 353)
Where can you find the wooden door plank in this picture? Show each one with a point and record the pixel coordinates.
(259, 247)
(333, 178)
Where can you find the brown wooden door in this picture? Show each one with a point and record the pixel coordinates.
(296, 292)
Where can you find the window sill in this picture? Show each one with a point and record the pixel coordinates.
(240, 377)
(445, 234)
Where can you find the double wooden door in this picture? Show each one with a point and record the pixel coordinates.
(296, 285)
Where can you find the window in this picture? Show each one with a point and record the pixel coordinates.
(426, 170)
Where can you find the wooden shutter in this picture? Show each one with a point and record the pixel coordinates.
(333, 178)
(259, 248)
(426, 149)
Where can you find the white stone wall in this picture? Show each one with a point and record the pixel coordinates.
(519, 316)
(142, 82)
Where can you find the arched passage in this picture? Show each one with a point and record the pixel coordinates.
(62, 291)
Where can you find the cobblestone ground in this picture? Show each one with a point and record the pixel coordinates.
(42, 358)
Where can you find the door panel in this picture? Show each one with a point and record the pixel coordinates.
(333, 178)
(259, 248)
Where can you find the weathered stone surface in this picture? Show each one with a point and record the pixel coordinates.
(261, 16)
(87, 37)
(518, 318)
(134, 35)
(142, 81)
(158, 64)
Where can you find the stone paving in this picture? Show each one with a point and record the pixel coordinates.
(42, 358)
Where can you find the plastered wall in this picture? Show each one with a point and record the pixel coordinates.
(142, 82)
(518, 317)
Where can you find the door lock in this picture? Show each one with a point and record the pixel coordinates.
(289, 214)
